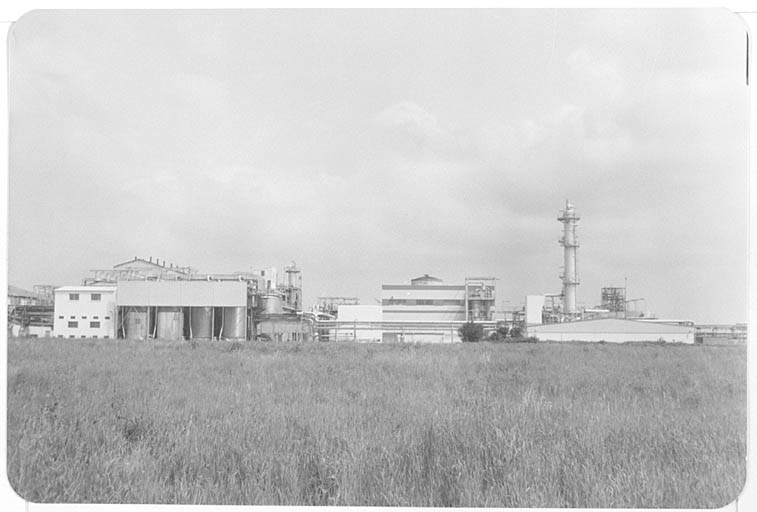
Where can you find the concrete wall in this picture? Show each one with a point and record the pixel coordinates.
(534, 307)
(358, 313)
(76, 318)
(612, 330)
(420, 336)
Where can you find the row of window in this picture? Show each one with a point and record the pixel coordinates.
(92, 296)
(92, 325)
(84, 317)
(422, 302)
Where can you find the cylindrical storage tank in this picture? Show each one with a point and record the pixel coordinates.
(201, 322)
(234, 323)
(272, 305)
(170, 323)
(136, 324)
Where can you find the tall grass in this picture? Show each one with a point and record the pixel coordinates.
(537, 425)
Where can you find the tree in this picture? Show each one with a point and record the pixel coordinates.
(500, 334)
(471, 332)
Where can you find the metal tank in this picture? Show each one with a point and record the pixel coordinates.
(201, 322)
(272, 305)
(234, 323)
(137, 324)
(476, 309)
(170, 323)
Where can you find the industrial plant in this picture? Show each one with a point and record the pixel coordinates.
(142, 299)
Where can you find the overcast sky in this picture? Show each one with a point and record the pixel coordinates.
(375, 146)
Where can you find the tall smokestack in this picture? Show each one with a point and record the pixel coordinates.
(569, 219)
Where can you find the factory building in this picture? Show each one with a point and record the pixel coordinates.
(30, 313)
(276, 318)
(85, 312)
(427, 310)
(613, 330)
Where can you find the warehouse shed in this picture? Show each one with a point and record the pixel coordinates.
(613, 330)
(198, 309)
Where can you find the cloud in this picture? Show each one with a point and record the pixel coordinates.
(410, 118)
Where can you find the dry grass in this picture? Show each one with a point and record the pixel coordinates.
(534, 425)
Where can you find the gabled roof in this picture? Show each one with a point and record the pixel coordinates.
(137, 260)
(154, 264)
(426, 277)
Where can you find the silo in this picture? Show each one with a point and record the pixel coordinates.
(234, 323)
(201, 322)
(170, 323)
(136, 323)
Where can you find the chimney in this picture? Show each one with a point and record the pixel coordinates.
(150, 259)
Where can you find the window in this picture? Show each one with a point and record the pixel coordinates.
(72, 336)
(96, 296)
(72, 317)
(94, 325)
(83, 336)
(95, 336)
(84, 318)
(106, 337)
(73, 296)
(73, 325)
(107, 318)
(96, 317)
(60, 318)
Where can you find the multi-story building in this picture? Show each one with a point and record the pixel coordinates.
(425, 299)
(427, 310)
(85, 312)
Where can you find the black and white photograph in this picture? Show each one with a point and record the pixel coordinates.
(470, 258)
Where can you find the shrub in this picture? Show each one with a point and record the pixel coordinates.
(471, 332)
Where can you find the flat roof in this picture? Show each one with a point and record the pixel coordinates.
(85, 289)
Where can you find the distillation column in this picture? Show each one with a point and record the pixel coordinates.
(569, 219)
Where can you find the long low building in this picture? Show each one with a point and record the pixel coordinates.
(613, 330)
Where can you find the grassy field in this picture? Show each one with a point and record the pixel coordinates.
(517, 425)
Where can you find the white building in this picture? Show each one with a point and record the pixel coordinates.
(355, 322)
(427, 310)
(613, 330)
(425, 299)
(534, 308)
(85, 312)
